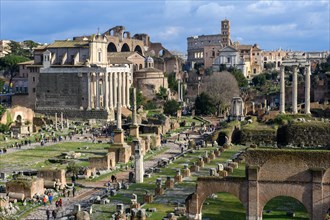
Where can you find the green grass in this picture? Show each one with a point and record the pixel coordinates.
(282, 204)
(37, 158)
(225, 206)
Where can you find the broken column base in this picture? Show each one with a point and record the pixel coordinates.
(122, 151)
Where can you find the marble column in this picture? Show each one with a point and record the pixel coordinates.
(106, 96)
(282, 90)
(89, 96)
(115, 89)
(139, 170)
(111, 91)
(294, 90)
(97, 91)
(307, 89)
(127, 90)
(134, 121)
(119, 109)
(56, 121)
(123, 78)
(179, 91)
(62, 126)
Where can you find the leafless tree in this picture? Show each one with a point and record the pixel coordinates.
(222, 87)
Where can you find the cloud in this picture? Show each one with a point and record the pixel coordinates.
(213, 9)
(177, 9)
(170, 32)
(266, 7)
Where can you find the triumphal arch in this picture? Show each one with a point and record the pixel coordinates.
(301, 174)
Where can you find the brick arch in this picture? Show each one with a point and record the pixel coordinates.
(285, 168)
(300, 192)
(208, 186)
(289, 197)
(326, 176)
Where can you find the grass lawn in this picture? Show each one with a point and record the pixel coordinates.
(38, 157)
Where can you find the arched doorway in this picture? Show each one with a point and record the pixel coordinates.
(223, 206)
(284, 207)
(125, 48)
(19, 120)
(138, 49)
(112, 47)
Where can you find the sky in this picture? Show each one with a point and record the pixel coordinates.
(290, 25)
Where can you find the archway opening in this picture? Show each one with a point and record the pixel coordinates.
(112, 47)
(223, 206)
(19, 120)
(284, 207)
(138, 49)
(125, 48)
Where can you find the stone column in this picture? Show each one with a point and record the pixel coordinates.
(123, 78)
(127, 90)
(106, 96)
(89, 96)
(62, 121)
(282, 90)
(294, 90)
(119, 106)
(134, 121)
(111, 91)
(307, 89)
(139, 170)
(56, 121)
(179, 91)
(253, 108)
(97, 91)
(115, 89)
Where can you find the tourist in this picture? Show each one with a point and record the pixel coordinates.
(45, 200)
(113, 178)
(50, 198)
(54, 213)
(64, 191)
(73, 179)
(68, 193)
(48, 214)
(60, 202)
(73, 191)
(56, 204)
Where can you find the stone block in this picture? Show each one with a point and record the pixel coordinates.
(148, 198)
(159, 191)
(178, 178)
(186, 172)
(206, 159)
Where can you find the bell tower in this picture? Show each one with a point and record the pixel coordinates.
(225, 32)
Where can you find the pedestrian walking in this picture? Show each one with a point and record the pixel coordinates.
(60, 203)
(54, 213)
(73, 191)
(45, 200)
(48, 214)
(56, 204)
(50, 198)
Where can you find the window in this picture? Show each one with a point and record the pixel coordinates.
(33, 79)
(34, 90)
(228, 59)
(100, 56)
(254, 71)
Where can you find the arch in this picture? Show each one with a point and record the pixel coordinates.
(138, 49)
(295, 169)
(161, 53)
(19, 119)
(140, 66)
(219, 207)
(112, 47)
(280, 205)
(125, 48)
(278, 63)
(326, 176)
(268, 191)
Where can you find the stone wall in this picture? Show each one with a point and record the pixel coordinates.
(311, 134)
(262, 136)
(103, 163)
(28, 187)
(76, 114)
(59, 90)
(52, 175)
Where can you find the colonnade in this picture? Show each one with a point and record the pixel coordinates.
(307, 71)
(105, 89)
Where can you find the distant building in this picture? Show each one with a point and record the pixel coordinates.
(4, 47)
(204, 48)
(86, 76)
